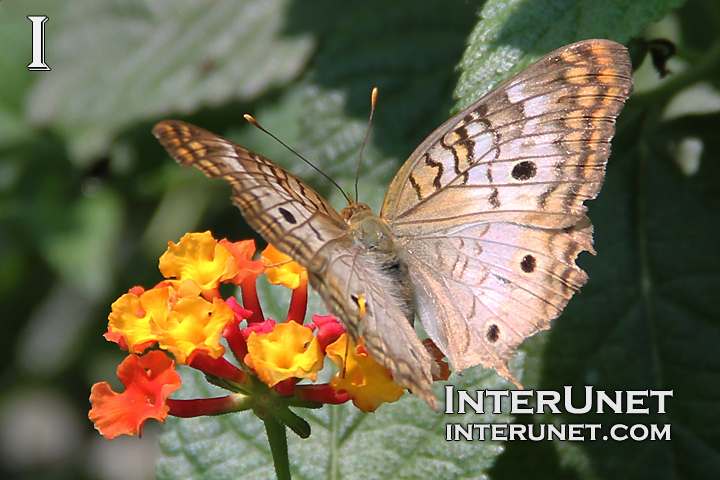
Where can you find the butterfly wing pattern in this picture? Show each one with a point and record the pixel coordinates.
(489, 209)
(479, 230)
(284, 210)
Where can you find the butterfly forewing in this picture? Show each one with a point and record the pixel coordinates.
(490, 207)
(536, 144)
(280, 207)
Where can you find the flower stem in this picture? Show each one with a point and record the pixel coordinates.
(219, 367)
(298, 303)
(250, 299)
(277, 437)
(208, 406)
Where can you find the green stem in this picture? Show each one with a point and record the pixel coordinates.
(277, 437)
(296, 423)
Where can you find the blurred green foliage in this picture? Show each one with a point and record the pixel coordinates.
(88, 200)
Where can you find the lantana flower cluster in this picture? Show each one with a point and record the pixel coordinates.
(182, 320)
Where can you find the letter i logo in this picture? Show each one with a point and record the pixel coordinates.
(38, 43)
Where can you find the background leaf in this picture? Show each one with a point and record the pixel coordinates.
(157, 58)
(400, 440)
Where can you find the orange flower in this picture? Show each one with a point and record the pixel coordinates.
(198, 257)
(243, 252)
(149, 381)
(282, 270)
(368, 383)
(290, 350)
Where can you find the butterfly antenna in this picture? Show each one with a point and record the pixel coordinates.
(373, 101)
(250, 119)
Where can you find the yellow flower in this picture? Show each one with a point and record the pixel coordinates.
(281, 270)
(368, 383)
(133, 318)
(289, 351)
(195, 324)
(179, 325)
(198, 257)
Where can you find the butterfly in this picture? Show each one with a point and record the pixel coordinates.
(479, 230)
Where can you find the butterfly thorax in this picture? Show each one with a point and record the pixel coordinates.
(374, 237)
(370, 231)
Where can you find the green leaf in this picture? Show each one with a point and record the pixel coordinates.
(136, 60)
(515, 33)
(408, 50)
(400, 440)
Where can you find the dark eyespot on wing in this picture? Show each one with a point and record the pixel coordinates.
(528, 264)
(287, 216)
(524, 170)
(493, 333)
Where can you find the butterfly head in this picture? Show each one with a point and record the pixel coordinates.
(371, 233)
(355, 212)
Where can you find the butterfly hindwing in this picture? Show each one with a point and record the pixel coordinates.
(482, 289)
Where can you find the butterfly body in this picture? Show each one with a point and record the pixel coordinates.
(372, 275)
(375, 240)
(479, 230)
